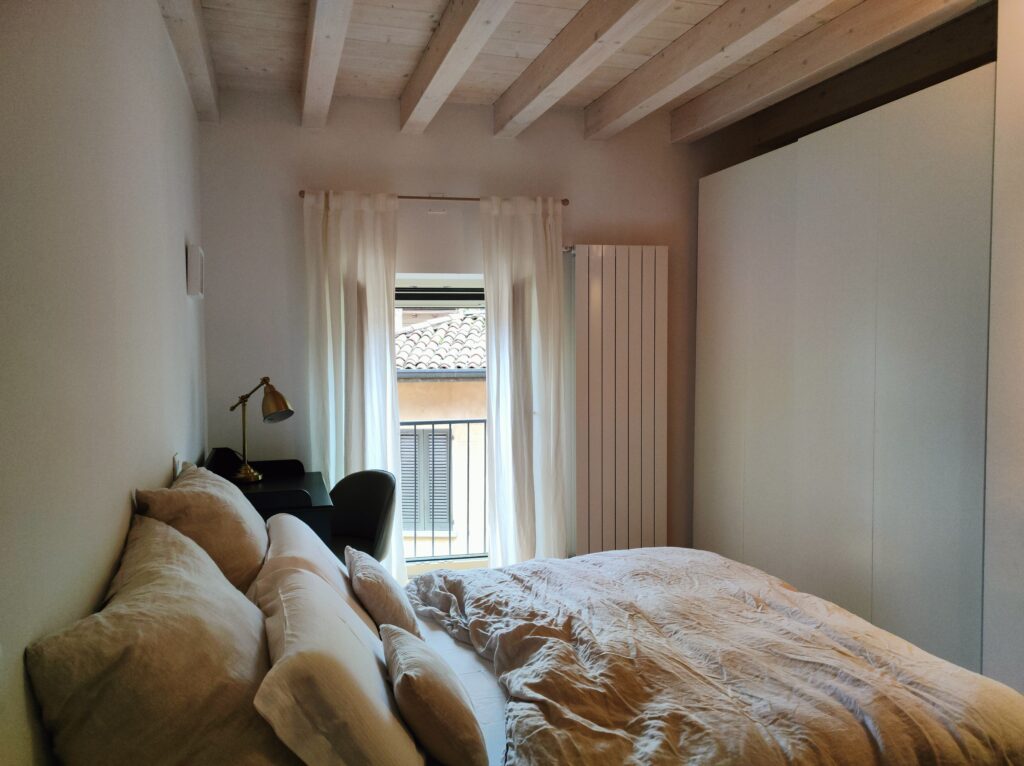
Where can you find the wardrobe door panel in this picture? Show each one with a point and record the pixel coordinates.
(934, 232)
(718, 387)
(729, 243)
(771, 521)
(820, 540)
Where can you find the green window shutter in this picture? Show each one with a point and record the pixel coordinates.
(426, 479)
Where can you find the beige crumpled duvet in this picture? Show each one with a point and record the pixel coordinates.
(671, 655)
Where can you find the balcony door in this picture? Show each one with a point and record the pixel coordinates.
(441, 360)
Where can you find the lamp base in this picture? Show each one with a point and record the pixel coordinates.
(247, 474)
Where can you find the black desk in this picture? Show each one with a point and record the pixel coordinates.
(287, 487)
(301, 494)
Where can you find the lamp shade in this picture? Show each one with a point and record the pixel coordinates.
(275, 406)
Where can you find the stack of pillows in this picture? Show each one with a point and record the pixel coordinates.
(219, 643)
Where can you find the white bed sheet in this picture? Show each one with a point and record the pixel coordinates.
(477, 675)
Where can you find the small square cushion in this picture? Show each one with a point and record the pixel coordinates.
(432, 700)
(293, 545)
(327, 695)
(379, 592)
(213, 512)
(166, 673)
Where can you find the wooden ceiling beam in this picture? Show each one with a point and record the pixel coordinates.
(464, 29)
(593, 35)
(866, 30)
(736, 29)
(184, 22)
(325, 38)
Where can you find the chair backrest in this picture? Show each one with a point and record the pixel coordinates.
(366, 499)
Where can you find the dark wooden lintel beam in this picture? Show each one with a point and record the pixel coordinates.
(958, 46)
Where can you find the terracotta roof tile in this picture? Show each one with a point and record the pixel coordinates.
(457, 341)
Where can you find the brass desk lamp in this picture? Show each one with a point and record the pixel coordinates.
(275, 409)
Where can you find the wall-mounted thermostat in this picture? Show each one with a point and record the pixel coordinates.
(194, 270)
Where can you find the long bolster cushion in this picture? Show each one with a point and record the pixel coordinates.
(327, 694)
(293, 545)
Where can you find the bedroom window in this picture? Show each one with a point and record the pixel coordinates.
(441, 359)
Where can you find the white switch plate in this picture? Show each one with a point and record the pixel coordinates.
(176, 462)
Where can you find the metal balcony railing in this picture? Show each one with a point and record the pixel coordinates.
(444, 489)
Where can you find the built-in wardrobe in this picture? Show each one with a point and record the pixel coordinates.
(842, 329)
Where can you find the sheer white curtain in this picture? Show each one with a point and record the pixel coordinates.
(528, 426)
(353, 397)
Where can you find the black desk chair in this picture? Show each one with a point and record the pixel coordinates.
(364, 504)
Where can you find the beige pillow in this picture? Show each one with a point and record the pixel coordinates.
(166, 672)
(379, 592)
(432, 700)
(293, 545)
(327, 694)
(213, 512)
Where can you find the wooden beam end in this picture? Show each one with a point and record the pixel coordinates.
(325, 39)
(506, 128)
(317, 119)
(460, 35)
(412, 119)
(208, 115)
(184, 22)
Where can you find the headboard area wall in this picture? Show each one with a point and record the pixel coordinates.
(102, 363)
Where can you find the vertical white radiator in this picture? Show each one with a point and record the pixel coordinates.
(621, 419)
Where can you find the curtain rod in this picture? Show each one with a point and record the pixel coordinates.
(438, 199)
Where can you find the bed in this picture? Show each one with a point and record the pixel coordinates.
(669, 655)
(251, 643)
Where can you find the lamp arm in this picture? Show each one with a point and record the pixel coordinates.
(245, 397)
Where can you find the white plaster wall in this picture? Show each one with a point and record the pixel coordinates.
(631, 190)
(439, 237)
(101, 371)
(1003, 622)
